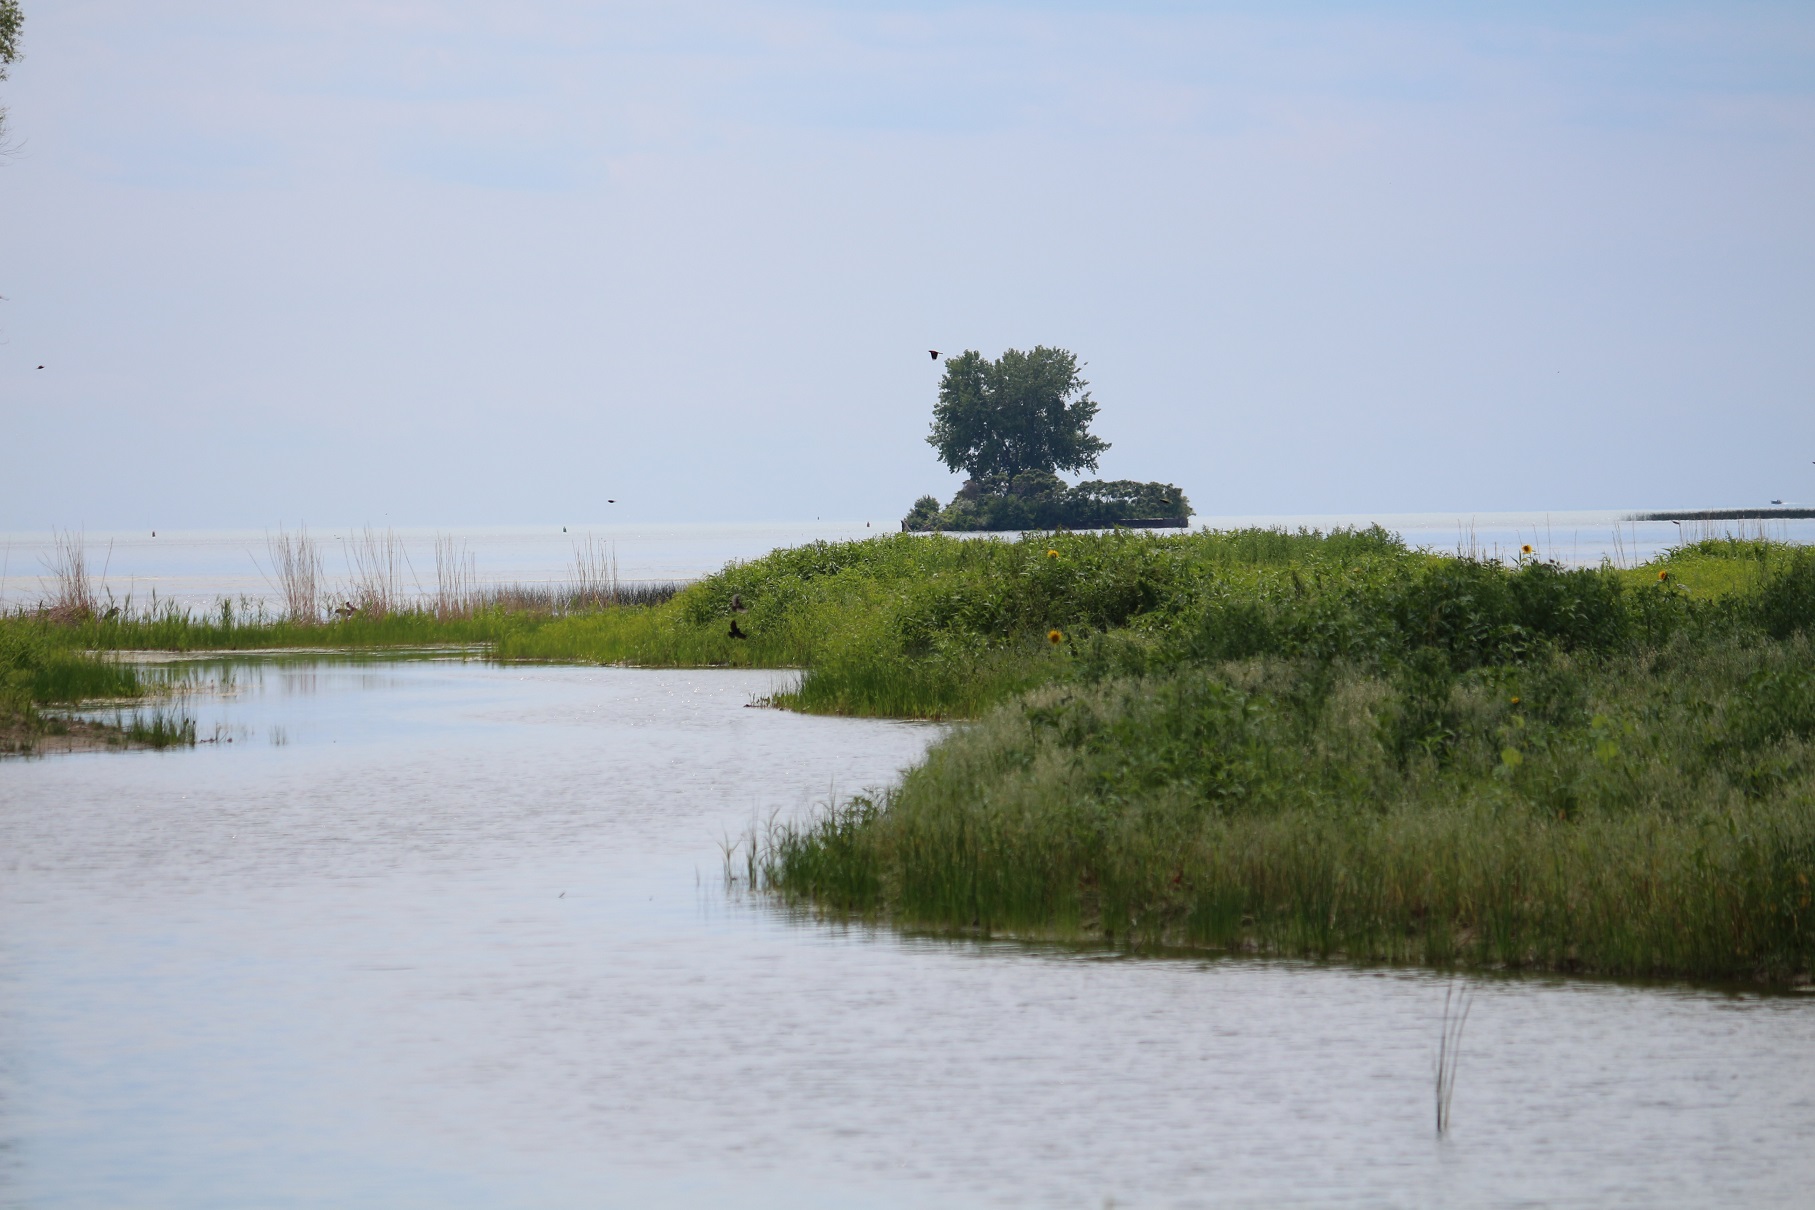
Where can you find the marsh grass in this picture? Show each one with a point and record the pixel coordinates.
(382, 577)
(1451, 762)
(952, 685)
(71, 592)
(595, 572)
(36, 670)
(1589, 827)
(457, 593)
(297, 574)
(1304, 743)
(156, 729)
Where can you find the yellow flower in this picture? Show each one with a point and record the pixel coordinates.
(1662, 576)
(1054, 637)
(1052, 554)
(1525, 549)
(1515, 701)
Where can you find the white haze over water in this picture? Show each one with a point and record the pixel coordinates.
(445, 263)
(197, 568)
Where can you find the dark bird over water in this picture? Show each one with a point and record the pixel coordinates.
(735, 632)
(933, 353)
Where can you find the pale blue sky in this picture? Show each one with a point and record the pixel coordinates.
(445, 263)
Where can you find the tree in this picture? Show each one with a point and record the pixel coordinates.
(1022, 412)
(10, 21)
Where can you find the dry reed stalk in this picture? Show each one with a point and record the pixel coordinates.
(595, 573)
(456, 579)
(72, 592)
(296, 565)
(379, 566)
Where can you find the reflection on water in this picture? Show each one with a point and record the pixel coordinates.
(449, 934)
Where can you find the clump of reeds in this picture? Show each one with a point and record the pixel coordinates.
(296, 567)
(562, 600)
(70, 595)
(595, 573)
(380, 567)
(456, 579)
(157, 729)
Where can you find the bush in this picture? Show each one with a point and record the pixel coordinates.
(1041, 500)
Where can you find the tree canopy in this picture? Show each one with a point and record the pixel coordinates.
(1021, 412)
(10, 21)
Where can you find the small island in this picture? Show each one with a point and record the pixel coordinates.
(1011, 424)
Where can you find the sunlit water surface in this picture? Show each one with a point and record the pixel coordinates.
(444, 934)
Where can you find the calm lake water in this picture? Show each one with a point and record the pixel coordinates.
(197, 567)
(443, 934)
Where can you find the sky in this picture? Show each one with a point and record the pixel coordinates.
(425, 263)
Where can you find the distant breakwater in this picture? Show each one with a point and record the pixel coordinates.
(1728, 514)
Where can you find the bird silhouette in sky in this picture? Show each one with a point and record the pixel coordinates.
(933, 353)
(611, 501)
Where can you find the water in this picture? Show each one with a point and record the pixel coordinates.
(198, 567)
(443, 934)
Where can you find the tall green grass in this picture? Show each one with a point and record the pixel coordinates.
(1449, 762)
(37, 671)
(237, 629)
(36, 668)
(1594, 824)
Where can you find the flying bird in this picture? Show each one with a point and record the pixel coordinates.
(933, 353)
(611, 501)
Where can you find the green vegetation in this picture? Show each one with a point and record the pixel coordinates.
(1041, 500)
(1296, 743)
(38, 669)
(1021, 412)
(1331, 745)
(11, 21)
(1009, 424)
(231, 628)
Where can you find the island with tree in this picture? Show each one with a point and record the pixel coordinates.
(1011, 425)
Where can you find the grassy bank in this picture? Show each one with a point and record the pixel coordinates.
(38, 670)
(926, 626)
(1338, 747)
